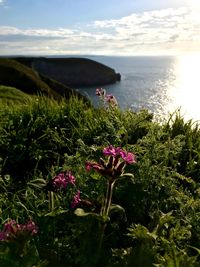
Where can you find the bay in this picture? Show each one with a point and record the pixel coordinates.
(159, 84)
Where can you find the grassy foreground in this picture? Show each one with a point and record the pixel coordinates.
(135, 204)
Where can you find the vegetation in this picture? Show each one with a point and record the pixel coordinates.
(17, 75)
(11, 95)
(84, 186)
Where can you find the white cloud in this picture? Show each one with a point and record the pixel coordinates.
(167, 31)
(61, 32)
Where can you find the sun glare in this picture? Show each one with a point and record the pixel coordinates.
(186, 91)
(193, 3)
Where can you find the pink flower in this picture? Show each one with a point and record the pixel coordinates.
(128, 157)
(31, 227)
(114, 166)
(70, 178)
(92, 165)
(111, 151)
(3, 236)
(76, 200)
(88, 166)
(109, 97)
(100, 92)
(60, 181)
(13, 229)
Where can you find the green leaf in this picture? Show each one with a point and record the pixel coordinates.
(37, 183)
(95, 176)
(197, 249)
(80, 212)
(114, 208)
(55, 213)
(130, 175)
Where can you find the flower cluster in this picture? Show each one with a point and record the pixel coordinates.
(60, 181)
(12, 229)
(107, 98)
(76, 200)
(101, 92)
(117, 160)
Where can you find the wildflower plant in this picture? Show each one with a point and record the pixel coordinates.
(17, 244)
(112, 168)
(108, 100)
(64, 183)
(12, 230)
(60, 181)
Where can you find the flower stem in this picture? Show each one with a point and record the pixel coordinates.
(108, 197)
(51, 201)
(104, 213)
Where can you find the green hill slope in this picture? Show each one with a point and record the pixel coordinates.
(74, 72)
(15, 74)
(10, 95)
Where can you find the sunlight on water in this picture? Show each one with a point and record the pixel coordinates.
(159, 84)
(185, 92)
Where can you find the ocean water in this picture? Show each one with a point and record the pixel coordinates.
(159, 84)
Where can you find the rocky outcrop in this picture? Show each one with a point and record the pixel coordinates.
(74, 72)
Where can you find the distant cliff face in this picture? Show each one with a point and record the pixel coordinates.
(75, 72)
(26, 79)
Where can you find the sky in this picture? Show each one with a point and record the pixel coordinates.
(103, 27)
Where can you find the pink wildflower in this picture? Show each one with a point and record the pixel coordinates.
(114, 166)
(76, 200)
(92, 165)
(3, 236)
(128, 157)
(31, 227)
(100, 92)
(111, 151)
(60, 181)
(109, 97)
(70, 178)
(111, 100)
(13, 229)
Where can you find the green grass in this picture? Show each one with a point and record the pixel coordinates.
(157, 217)
(11, 95)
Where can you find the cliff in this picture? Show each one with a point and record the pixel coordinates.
(75, 72)
(15, 74)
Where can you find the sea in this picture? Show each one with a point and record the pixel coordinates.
(161, 84)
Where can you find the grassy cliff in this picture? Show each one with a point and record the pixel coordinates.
(75, 72)
(15, 74)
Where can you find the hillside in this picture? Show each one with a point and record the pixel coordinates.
(75, 72)
(113, 184)
(15, 74)
(10, 95)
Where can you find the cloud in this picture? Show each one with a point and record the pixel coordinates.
(61, 32)
(166, 31)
